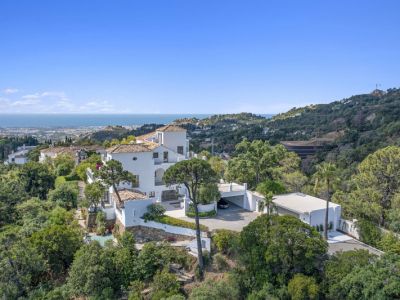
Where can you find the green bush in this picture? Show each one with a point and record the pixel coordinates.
(180, 223)
(59, 180)
(220, 263)
(303, 287)
(226, 240)
(154, 211)
(369, 233)
(207, 214)
(101, 223)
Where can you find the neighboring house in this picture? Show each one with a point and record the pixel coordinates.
(306, 148)
(147, 158)
(79, 153)
(309, 209)
(20, 156)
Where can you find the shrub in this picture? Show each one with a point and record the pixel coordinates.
(207, 214)
(303, 287)
(226, 240)
(164, 285)
(100, 223)
(220, 263)
(59, 181)
(180, 223)
(215, 289)
(154, 211)
(206, 258)
(369, 233)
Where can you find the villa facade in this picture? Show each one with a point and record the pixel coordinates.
(147, 158)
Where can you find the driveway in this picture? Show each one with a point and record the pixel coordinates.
(232, 218)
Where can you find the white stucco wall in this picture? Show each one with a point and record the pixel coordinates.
(173, 139)
(317, 217)
(133, 211)
(142, 166)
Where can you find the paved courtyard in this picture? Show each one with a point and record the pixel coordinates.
(232, 218)
(235, 218)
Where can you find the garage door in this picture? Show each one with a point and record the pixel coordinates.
(237, 200)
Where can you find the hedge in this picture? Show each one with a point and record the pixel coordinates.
(204, 214)
(180, 223)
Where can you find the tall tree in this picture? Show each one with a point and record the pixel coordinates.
(37, 179)
(193, 174)
(113, 174)
(94, 193)
(257, 161)
(274, 248)
(377, 184)
(326, 176)
(268, 189)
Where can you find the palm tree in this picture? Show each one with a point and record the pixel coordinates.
(268, 189)
(325, 177)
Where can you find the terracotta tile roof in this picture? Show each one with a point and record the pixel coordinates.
(171, 128)
(151, 145)
(146, 136)
(130, 148)
(71, 149)
(127, 194)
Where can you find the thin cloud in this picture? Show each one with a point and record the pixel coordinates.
(10, 91)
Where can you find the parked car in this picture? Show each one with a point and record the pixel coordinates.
(223, 204)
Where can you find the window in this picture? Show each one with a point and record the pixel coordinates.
(136, 182)
(180, 149)
(152, 194)
(155, 154)
(165, 156)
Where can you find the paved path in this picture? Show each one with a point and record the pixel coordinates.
(232, 218)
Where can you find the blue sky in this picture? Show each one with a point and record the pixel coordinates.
(193, 56)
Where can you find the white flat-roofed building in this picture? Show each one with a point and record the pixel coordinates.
(20, 156)
(309, 209)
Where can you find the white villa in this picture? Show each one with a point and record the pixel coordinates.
(152, 154)
(148, 158)
(309, 209)
(20, 156)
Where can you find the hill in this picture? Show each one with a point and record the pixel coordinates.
(357, 125)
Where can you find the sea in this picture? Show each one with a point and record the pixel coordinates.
(89, 120)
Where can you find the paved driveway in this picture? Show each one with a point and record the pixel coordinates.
(232, 218)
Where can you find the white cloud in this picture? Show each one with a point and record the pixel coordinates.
(53, 102)
(9, 91)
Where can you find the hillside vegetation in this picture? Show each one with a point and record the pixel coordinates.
(358, 125)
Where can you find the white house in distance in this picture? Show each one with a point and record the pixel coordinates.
(148, 158)
(79, 153)
(20, 156)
